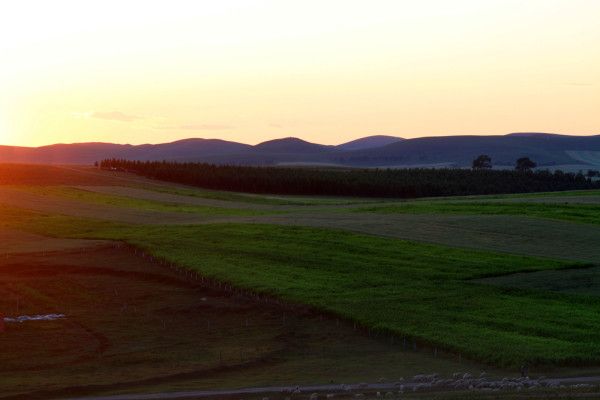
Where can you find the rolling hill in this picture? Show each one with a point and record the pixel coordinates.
(291, 145)
(368, 142)
(548, 150)
(545, 149)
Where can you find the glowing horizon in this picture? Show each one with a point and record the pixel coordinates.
(325, 71)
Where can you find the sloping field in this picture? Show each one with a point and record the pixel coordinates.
(421, 291)
(21, 174)
(583, 199)
(131, 324)
(501, 233)
(173, 198)
(198, 197)
(411, 289)
(406, 270)
(585, 213)
(13, 241)
(506, 233)
(66, 201)
(584, 281)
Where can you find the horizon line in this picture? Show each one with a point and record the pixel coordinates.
(297, 137)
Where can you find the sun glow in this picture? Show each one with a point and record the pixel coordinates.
(326, 71)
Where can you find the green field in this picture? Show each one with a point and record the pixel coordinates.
(583, 281)
(417, 290)
(488, 282)
(87, 196)
(585, 213)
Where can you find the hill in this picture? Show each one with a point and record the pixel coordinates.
(459, 151)
(88, 153)
(291, 145)
(548, 150)
(368, 142)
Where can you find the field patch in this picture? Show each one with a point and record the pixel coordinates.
(573, 199)
(177, 197)
(130, 324)
(135, 199)
(239, 198)
(585, 281)
(585, 213)
(500, 233)
(79, 203)
(417, 290)
(42, 175)
(13, 241)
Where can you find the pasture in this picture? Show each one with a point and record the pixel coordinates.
(582, 281)
(134, 325)
(318, 289)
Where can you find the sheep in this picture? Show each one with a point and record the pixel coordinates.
(424, 378)
(582, 386)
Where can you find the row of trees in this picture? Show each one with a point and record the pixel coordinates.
(401, 183)
(484, 161)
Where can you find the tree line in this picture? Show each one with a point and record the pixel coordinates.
(399, 183)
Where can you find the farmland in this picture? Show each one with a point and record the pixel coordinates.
(132, 324)
(575, 211)
(319, 289)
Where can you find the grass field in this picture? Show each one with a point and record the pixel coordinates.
(498, 280)
(584, 281)
(273, 200)
(93, 197)
(415, 290)
(133, 324)
(586, 213)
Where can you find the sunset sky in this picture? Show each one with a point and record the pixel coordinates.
(327, 71)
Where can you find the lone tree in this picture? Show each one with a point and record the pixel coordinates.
(525, 164)
(482, 162)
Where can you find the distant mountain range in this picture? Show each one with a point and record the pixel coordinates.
(548, 150)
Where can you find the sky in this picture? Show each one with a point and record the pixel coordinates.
(327, 71)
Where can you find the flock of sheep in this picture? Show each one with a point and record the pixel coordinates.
(458, 381)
